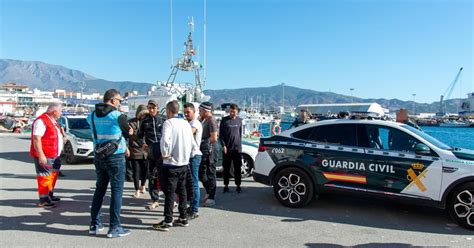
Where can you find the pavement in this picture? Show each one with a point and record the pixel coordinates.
(251, 219)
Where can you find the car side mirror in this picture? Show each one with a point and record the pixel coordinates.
(422, 149)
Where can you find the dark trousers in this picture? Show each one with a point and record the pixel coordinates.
(189, 185)
(154, 167)
(110, 169)
(234, 157)
(139, 167)
(129, 170)
(207, 174)
(173, 182)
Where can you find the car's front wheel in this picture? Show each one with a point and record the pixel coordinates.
(293, 187)
(461, 205)
(69, 154)
(247, 166)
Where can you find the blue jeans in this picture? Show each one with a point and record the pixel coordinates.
(111, 169)
(195, 162)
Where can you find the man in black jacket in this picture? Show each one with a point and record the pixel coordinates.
(150, 132)
(230, 136)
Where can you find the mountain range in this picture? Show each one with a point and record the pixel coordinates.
(47, 77)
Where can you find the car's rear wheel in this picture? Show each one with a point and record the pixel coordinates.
(461, 205)
(293, 187)
(69, 154)
(247, 166)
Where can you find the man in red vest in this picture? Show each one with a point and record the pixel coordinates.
(46, 145)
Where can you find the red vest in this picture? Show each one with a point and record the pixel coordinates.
(49, 141)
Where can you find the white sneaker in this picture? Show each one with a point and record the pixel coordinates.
(210, 203)
(137, 194)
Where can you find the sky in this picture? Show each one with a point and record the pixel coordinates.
(379, 48)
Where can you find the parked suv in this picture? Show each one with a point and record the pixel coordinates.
(378, 158)
(79, 138)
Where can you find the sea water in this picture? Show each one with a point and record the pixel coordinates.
(458, 137)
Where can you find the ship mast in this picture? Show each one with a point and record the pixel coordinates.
(186, 62)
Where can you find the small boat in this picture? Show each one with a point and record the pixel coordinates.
(454, 124)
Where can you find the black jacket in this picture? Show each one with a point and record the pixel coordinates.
(150, 129)
(103, 109)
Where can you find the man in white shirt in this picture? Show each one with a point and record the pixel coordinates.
(176, 144)
(195, 161)
(46, 146)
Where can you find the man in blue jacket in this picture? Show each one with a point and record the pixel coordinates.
(110, 125)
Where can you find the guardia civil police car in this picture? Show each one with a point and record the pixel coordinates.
(378, 158)
(79, 138)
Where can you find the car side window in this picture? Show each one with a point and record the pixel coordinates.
(385, 138)
(303, 134)
(338, 134)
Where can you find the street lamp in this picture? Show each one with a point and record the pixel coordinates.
(352, 97)
(283, 96)
(414, 104)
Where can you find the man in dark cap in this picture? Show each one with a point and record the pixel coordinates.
(209, 154)
(150, 133)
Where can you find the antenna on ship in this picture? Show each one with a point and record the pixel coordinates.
(171, 31)
(205, 33)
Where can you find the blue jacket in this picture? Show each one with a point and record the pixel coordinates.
(109, 126)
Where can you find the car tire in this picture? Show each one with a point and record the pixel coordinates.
(69, 154)
(461, 205)
(247, 166)
(293, 187)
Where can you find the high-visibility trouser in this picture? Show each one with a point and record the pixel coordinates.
(46, 176)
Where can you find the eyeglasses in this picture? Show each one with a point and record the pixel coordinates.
(118, 99)
(151, 107)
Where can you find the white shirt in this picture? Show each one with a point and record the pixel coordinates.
(197, 136)
(177, 142)
(39, 130)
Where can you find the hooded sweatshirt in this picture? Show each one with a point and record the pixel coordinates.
(103, 109)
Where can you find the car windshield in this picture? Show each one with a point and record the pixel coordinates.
(78, 123)
(427, 137)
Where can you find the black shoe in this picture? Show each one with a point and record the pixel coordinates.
(193, 215)
(239, 190)
(46, 205)
(181, 222)
(162, 226)
(61, 174)
(226, 189)
(55, 199)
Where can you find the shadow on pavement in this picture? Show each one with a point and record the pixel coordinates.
(369, 245)
(72, 211)
(17, 156)
(343, 210)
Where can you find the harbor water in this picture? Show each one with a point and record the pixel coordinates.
(457, 137)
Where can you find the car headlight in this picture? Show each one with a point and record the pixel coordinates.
(82, 140)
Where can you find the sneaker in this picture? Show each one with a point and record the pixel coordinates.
(226, 189)
(163, 226)
(95, 229)
(239, 190)
(152, 205)
(47, 204)
(209, 203)
(181, 222)
(137, 194)
(175, 205)
(193, 215)
(55, 198)
(118, 232)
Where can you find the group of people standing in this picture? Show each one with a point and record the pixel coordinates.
(173, 153)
